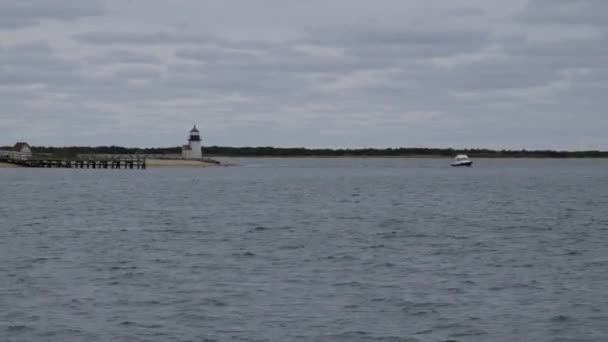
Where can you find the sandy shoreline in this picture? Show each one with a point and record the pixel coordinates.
(178, 163)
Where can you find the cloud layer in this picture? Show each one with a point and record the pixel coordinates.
(528, 74)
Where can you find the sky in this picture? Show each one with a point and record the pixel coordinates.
(497, 74)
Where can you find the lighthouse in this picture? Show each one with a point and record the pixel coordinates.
(193, 149)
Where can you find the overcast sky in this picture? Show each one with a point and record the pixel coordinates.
(317, 73)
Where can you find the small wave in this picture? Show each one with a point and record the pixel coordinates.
(349, 283)
(150, 326)
(38, 260)
(258, 229)
(340, 258)
(377, 300)
(122, 268)
(516, 286)
(376, 246)
(288, 247)
(397, 339)
(424, 332)
(355, 218)
(561, 318)
(391, 223)
(597, 263)
(347, 336)
(455, 290)
(246, 254)
(388, 235)
(469, 332)
(423, 312)
(418, 235)
(18, 328)
(214, 302)
(198, 254)
(458, 237)
(422, 308)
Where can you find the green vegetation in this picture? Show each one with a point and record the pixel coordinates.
(73, 151)
(306, 152)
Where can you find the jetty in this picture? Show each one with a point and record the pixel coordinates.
(120, 162)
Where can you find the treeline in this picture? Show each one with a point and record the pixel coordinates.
(307, 152)
(71, 151)
(394, 152)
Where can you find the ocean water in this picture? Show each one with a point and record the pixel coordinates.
(307, 250)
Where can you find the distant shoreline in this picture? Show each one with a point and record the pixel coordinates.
(153, 163)
(402, 157)
(268, 151)
(301, 152)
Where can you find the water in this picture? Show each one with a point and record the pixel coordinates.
(307, 250)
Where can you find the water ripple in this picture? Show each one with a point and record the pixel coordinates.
(307, 250)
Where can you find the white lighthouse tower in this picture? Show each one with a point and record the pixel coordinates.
(193, 149)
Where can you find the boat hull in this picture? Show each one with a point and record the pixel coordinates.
(464, 163)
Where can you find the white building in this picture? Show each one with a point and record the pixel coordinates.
(193, 149)
(20, 151)
(24, 149)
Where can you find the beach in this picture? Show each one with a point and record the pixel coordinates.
(5, 165)
(178, 163)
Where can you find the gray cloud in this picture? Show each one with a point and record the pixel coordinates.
(375, 37)
(467, 11)
(165, 38)
(21, 13)
(463, 77)
(139, 73)
(131, 38)
(123, 56)
(216, 54)
(34, 63)
(567, 12)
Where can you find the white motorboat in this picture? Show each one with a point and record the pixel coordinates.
(462, 160)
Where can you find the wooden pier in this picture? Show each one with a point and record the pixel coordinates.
(125, 163)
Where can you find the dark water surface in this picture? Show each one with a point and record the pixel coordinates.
(307, 250)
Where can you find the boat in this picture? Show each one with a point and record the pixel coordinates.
(462, 160)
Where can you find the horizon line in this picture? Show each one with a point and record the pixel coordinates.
(335, 148)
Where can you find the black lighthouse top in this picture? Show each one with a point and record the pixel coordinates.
(194, 136)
